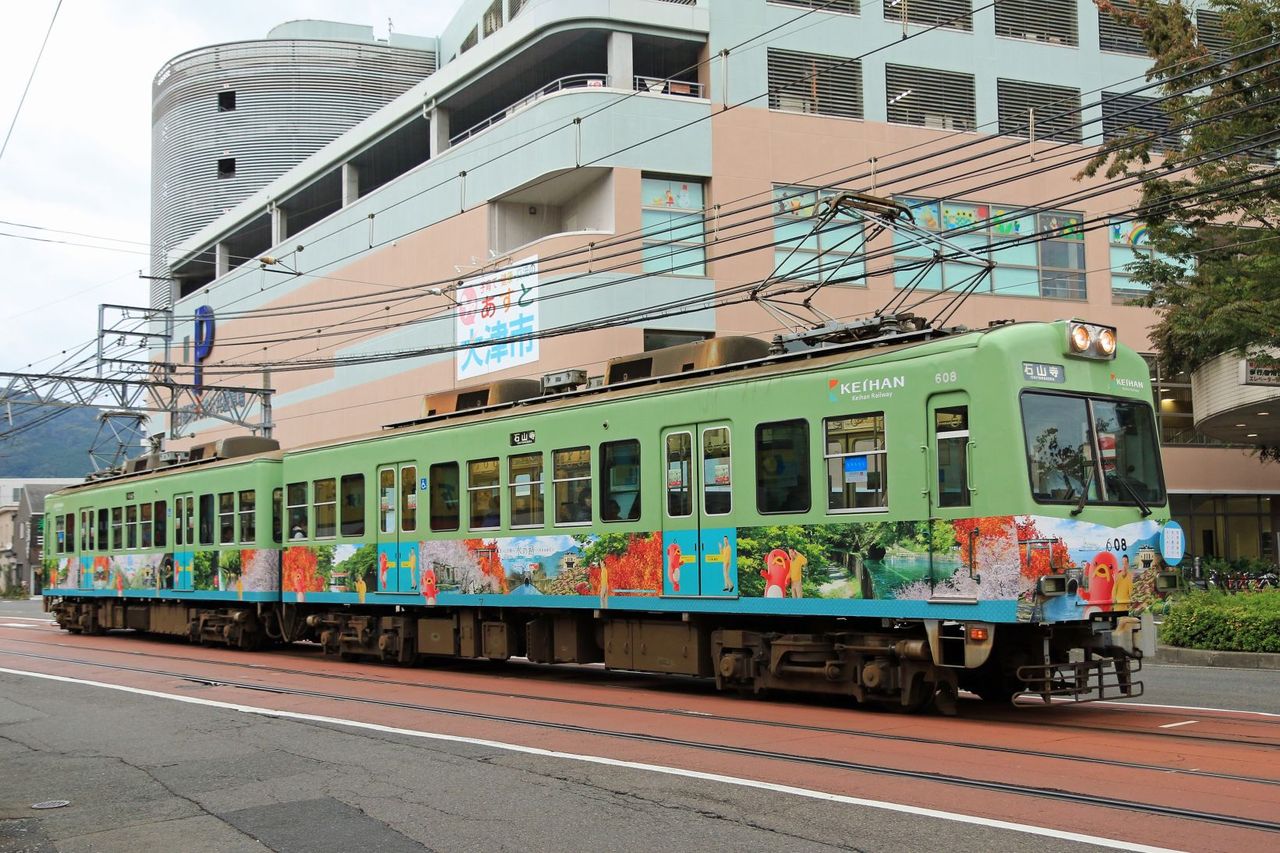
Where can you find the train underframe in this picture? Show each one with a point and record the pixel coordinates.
(903, 664)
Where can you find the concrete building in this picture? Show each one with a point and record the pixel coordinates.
(602, 157)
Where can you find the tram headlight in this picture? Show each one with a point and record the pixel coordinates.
(1107, 342)
(1090, 340)
(1081, 338)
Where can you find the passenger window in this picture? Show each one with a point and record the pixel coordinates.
(483, 490)
(857, 469)
(277, 515)
(409, 498)
(782, 467)
(226, 518)
(60, 531)
(717, 472)
(70, 540)
(571, 476)
(325, 497)
(131, 526)
(162, 524)
(353, 505)
(191, 521)
(443, 481)
(296, 496)
(117, 528)
(387, 500)
(248, 521)
(679, 489)
(103, 525)
(145, 525)
(620, 480)
(951, 426)
(206, 519)
(525, 483)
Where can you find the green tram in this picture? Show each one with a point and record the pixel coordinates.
(894, 521)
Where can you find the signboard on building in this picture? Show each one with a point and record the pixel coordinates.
(501, 308)
(1254, 372)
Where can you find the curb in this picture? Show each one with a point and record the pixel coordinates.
(1203, 657)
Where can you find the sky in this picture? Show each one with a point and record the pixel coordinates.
(79, 156)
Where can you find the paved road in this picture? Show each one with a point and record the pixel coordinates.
(144, 773)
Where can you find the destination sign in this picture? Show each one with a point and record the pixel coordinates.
(1035, 371)
(525, 437)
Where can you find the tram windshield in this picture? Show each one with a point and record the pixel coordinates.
(1091, 450)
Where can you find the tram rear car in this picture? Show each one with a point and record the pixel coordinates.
(981, 511)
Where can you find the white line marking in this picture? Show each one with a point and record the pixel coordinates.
(16, 625)
(1175, 725)
(1185, 707)
(919, 811)
(41, 621)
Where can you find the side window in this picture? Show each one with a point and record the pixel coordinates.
(248, 504)
(325, 498)
(206, 519)
(226, 518)
(717, 472)
(782, 467)
(117, 528)
(857, 473)
(679, 481)
(131, 526)
(525, 483)
(571, 476)
(443, 482)
(277, 515)
(951, 426)
(296, 495)
(191, 521)
(483, 493)
(146, 526)
(620, 480)
(60, 534)
(104, 524)
(162, 524)
(387, 500)
(69, 544)
(409, 498)
(353, 505)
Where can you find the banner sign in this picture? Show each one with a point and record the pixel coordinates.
(501, 307)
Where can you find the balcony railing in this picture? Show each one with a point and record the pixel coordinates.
(573, 81)
(659, 86)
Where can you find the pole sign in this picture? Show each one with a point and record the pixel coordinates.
(203, 342)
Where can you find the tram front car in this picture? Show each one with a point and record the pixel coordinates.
(1096, 546)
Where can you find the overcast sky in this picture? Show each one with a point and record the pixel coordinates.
(79, 157)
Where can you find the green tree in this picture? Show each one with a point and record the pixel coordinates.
(1211, 218)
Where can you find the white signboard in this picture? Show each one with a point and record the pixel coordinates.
(501, 307)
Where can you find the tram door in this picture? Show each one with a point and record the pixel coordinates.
(88, 549)
(181, 575)
(950, 452)
(699, 545)
(398, 527)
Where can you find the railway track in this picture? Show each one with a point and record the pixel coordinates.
(968, 782)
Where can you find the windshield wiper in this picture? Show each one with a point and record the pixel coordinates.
(1142, 505)
(1084, 493)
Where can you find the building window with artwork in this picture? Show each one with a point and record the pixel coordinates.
(673, 226)
(1037, 253)
(1130, 246)
(804, 252)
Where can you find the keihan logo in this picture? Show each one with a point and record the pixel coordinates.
(859, 389)
(1128, 384)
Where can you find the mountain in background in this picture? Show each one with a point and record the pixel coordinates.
(56, 444)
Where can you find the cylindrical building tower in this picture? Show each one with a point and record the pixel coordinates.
(230, 118)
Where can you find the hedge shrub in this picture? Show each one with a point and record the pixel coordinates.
(1245, 622)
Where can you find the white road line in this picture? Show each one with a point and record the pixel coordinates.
(41, 621)
(1185, 707)
(16, 625)
(1175, 725)
(919, 811)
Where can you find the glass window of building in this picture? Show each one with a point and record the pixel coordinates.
(802, 82)
(1228, 527)
(1052, 21)
(846, 7)
(673, 226)
(1130, 246)
(1054, 111)
(951, 14)
(806, 253)
(927, 97)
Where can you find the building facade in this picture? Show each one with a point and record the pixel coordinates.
(628, 169)
(22, 531)
(229, 118)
